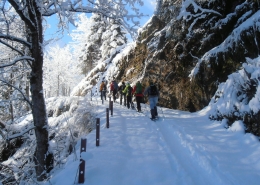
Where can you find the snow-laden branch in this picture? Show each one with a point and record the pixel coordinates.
(22, 11)
(20, 134)
(112, 9)
(197, 9)
(16, 39)
(19, 90)
(15, 49)
(11, 47)
(17, 60)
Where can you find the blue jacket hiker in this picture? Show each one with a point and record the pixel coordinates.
(153, 95)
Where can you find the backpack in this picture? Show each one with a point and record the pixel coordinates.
(104, 87)
(121, 88)
(139, 88)
(116, 85)
(112, 86)
(153, 90)
(129, 91)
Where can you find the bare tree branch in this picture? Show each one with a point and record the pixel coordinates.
(16, 88)
(11, 47)
(19, 134)
(18, 51)
(12, 38)
(20, 10)
(17, 60)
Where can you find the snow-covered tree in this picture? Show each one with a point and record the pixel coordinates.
(96, 39)
(113, 37)
(14, 77)
(87, 38)
(32, 13)
(60, 71)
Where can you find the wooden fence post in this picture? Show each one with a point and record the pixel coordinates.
(102, 97)
(97, 131)
(111, 108)
(82, 161)
(107, 111)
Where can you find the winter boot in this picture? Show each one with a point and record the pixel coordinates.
(152, 114)
(155, 112)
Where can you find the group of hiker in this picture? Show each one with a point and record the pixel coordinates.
(126, 93)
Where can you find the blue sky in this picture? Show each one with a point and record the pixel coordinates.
(52, 31)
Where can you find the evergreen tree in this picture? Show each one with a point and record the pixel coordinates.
(87, 37)
(60, 71)
(113, 37)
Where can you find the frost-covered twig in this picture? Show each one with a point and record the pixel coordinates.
(16, 39)
(17, 60)
(19, 134)
(25, 98)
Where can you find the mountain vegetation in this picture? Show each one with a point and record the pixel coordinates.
(191, 47)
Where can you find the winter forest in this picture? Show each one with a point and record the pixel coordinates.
(203, 55)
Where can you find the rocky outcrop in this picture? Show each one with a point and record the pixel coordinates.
(188, 49)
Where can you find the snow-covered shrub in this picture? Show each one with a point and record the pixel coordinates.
(239, 97)
(71, 118)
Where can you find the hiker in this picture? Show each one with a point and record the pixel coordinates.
(113, 89)
(128, 91)
(102, 90)
(138, 92)
(122, 95)
(153, 95)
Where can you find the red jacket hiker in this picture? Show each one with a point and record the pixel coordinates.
(139, 95)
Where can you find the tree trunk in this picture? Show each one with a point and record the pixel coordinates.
(10, 94)
(38, 103)
(27, 91)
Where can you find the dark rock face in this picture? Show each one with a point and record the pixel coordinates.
(170, 47)
(188, 49)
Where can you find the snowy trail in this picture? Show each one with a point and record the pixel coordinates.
(208, 154)
(133, 152)
(180, 148)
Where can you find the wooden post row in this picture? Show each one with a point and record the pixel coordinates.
(111, 108)
(82, 162)
(97, 131)
(107, 111)
(102, 97)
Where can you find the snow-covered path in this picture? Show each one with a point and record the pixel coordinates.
(180, 148)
